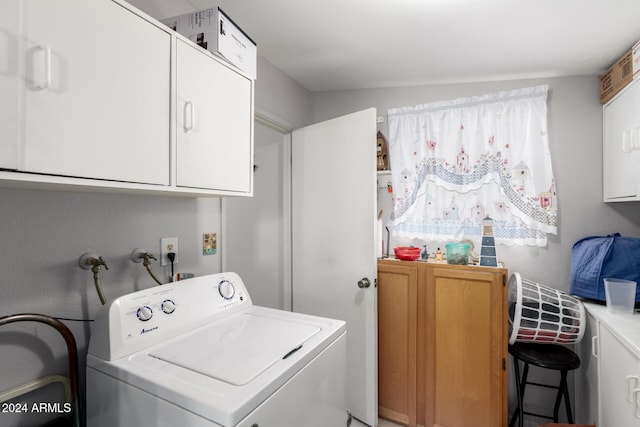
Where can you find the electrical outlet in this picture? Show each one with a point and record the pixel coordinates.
(168, 244)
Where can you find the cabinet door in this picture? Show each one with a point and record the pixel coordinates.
(214, 123)
(466, 348)
(9, 83)
(96, 85)
(619, 373)
(586, 377)
(397, 342)
(621, 163)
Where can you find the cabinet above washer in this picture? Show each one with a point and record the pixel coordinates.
(621, 146)
(94, 105)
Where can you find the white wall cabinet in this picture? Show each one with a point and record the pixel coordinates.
(9, 83)
(621, 146)
(98, 94)
(214, 123)
(95, 92)
(608, 381)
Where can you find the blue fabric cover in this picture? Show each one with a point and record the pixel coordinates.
(595, 258)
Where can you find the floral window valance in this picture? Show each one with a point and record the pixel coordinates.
(456, 162)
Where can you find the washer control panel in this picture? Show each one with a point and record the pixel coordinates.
(140, 319)
(226, 289)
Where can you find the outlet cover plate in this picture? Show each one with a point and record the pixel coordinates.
(168, 244)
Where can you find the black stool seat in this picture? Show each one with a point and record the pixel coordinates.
(547, 356)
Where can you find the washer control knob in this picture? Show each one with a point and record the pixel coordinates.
(226, 289)
(144, 313)
(168, 306)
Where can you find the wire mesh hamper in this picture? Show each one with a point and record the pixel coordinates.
(538, 313)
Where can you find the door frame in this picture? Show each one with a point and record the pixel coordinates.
(285, 129)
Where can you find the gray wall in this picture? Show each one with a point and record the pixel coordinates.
(43, 234)
(575, 138)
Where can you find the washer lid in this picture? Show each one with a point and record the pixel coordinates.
(239, 348)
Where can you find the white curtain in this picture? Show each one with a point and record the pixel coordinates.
(456, 162)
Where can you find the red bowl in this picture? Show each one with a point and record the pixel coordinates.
(407, 253)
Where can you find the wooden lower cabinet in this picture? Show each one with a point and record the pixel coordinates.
(397, 341)
(442, 344)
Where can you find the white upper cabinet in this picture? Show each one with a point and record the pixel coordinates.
(621, 148)
(98, 95)
(9, 83)
(96, 92)
(214, 123)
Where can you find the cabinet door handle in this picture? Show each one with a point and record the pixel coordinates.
(632, 388)
(187, 116)
(594, 346)
(626, 141)
(631, 140)
(634, 393)
(47, 67)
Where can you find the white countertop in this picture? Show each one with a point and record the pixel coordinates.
(625, 327)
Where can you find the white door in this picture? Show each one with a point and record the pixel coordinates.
(333, 244)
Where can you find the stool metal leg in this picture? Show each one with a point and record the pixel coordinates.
(518, 413)
(563, 391)
(567, 402)
(556, 406)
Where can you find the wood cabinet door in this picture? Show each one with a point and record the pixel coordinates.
(466, 347)
(397, 342)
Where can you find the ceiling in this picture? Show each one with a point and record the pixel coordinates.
(328, 45)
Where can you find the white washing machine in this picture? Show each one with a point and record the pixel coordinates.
(199, 353)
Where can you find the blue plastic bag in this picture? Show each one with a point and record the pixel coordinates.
(596, 258)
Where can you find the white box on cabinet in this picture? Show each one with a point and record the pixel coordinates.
(635, 58)
(213, 30)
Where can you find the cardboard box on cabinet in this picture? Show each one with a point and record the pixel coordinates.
(213, 30)
(617, 77)
(635, 55)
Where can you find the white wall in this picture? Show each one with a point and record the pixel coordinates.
(575, 139)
